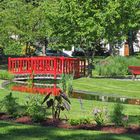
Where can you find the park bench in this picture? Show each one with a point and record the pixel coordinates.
(135, 70)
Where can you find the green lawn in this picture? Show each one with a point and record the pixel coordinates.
(109, 86)
(13, 131)
(76, 110)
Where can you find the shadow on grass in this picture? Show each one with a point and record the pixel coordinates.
(13, 131)
(6, 124)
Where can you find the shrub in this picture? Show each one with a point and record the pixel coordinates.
(117, 114)
(66, 83)
(80, 121)
(35, 109)
(57, 104)
(100, 116)
(5, 75)
(74, 122)
(85, 121)
(116, 66)
(10, 105)
(30, 82)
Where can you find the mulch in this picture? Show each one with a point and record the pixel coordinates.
(64, 124)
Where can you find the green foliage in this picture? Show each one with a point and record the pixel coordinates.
(10, 105)
(100, 116)
(25, 20)
(117, 114)
(80, 22)
(30, 82)
(118, 19)
(74, 122)
(63, 82)
(35, 109)
(84, 121)
(68, 22)
(57, 104)
(116, 66)
(70, 85)
(80, 121)
(13, 48)
(66, 83)
(72, 22)
(5, 75)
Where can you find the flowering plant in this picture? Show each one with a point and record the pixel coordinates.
(100, 116)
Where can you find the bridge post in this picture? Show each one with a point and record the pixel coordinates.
(62, 67)
(78, 68)
(20, 65)
(55, 67)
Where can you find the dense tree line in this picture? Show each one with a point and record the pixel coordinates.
(66, 23)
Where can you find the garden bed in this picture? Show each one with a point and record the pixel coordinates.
(133, 129)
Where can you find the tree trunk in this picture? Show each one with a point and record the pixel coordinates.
(89, 70)
(130, 42)
(43, 50)
(90, 57)
(45, 46)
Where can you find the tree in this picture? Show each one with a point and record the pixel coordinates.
(121, 17)
(66, 23)
(86, 23)
(25, 20)
(77, 23)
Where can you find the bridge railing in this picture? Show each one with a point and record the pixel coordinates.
(47, 65)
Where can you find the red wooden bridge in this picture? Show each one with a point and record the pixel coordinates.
(46, 67)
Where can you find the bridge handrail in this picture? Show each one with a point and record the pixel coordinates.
(46, 65)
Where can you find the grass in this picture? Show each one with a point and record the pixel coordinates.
(13, 131)
(5, 75)
(108, 86)
(76, 110)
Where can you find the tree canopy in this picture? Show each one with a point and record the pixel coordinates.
(23, 19)
(67, 23)
(86, 23)
(76, 20)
